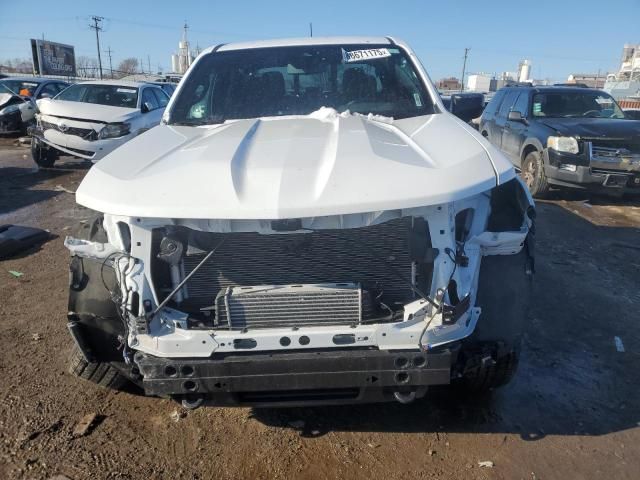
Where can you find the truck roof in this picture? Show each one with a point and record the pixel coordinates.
(303, 41)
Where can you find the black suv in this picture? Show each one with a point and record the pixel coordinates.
(565, 136)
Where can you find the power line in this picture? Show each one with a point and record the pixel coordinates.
(97, 28)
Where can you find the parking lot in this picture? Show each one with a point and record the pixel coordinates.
(573, 410)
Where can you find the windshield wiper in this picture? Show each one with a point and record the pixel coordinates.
(199, 122)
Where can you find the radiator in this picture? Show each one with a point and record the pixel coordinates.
(289, 305)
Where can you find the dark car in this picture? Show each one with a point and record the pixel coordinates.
(632, 113)
(465, 106)
(18, 97)
(167, 87)
(565, 137)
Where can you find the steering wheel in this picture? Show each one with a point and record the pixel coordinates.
(589, 112)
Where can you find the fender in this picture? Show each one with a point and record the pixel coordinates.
(532, 141)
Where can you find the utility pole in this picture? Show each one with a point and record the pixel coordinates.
(149, 62)
(310, 29)
(109, 51)
(464, 67)
(97, 28)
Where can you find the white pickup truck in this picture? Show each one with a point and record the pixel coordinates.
(308, 225)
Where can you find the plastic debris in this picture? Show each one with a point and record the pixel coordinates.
(60, 188)
(177, 415)
(35, 336)
(15, 239)
(486, 463)
(619, 344)
(15, 273)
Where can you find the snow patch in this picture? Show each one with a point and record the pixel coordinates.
(329, 114)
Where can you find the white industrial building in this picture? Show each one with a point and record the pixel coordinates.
(479, 82)
(181, 61)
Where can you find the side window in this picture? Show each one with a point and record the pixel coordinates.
(50, 89)
(509, 100)
(521, 104)
(495, 103)
(161, 97)
(149, 99)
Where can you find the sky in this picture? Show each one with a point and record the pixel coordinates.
(559, 37)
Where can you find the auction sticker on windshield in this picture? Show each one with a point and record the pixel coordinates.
(369, 54)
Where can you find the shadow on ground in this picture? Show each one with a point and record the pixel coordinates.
(24, 186)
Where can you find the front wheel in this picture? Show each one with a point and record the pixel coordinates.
(485, 371)
(101, 373)
(532, 173)
(43, 155)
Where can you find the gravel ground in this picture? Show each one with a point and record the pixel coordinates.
(573, 410)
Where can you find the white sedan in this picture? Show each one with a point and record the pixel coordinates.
(90, 119)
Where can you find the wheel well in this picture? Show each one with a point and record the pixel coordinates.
(527, 150)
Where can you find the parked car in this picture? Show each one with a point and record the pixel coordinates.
(308, 225)
(168, 88)
(565, 137)
(17, 100)
(90, 119)
(467, 106)
(632, 113)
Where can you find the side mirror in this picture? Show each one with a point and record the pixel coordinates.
(516, 116)
(45, 95)
(146, 107)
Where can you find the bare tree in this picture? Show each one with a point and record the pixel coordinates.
(127, 66)
(18, 65)
(86, 66)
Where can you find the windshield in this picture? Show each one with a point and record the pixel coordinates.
(270, 82)
(111, 95)
(575, 104)
(18, 87)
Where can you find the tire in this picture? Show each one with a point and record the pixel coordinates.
(494, 374)
(489, 358)
(43, 156)
(100, 373)
(532, 173)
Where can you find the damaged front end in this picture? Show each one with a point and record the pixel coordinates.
(335, 309)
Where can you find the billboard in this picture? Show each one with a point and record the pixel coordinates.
(50, 58)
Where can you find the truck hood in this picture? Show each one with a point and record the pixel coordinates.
(594, 127)
(85, 111)
(293, 167)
